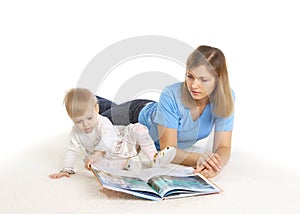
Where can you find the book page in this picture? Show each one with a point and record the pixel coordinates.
(137, 184)
(170, 169)
(146, 173)
(168, 185)
(131, 183)
(159, 185)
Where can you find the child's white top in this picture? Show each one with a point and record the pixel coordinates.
(113, 140)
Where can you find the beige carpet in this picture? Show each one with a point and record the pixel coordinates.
(249, 187)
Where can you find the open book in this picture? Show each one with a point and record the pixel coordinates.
(157, 183)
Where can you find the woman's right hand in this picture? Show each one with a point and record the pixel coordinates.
(209, 165)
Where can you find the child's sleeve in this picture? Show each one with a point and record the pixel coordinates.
(108, 134)
(73, 151)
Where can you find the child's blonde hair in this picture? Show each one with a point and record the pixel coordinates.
(77, 100)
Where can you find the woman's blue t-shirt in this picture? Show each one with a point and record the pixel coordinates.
(171, 113)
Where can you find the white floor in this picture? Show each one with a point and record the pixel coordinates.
(250, 186)
(46, 47)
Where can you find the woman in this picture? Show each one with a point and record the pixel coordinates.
(188, 112)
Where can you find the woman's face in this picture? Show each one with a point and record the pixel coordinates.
(200, 82)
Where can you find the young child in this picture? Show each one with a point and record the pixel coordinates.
(102, 143)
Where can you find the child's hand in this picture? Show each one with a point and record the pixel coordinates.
(88, 163)
(59, 175)
(93, 159)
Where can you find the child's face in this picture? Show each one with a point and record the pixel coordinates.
(88, 121)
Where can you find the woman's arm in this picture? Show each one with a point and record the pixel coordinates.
(168, 137)
(222, 146)
(211, 166)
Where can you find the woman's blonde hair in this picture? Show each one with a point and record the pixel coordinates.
(221, 97)
(77, 100)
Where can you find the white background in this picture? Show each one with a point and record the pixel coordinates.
(44, 47)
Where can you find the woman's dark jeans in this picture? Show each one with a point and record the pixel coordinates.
(122, 114)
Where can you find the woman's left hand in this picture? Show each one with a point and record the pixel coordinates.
(209, 165)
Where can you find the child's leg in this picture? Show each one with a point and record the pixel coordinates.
(146, 144)
(164, 156)
(144, 140)
(134, 164)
